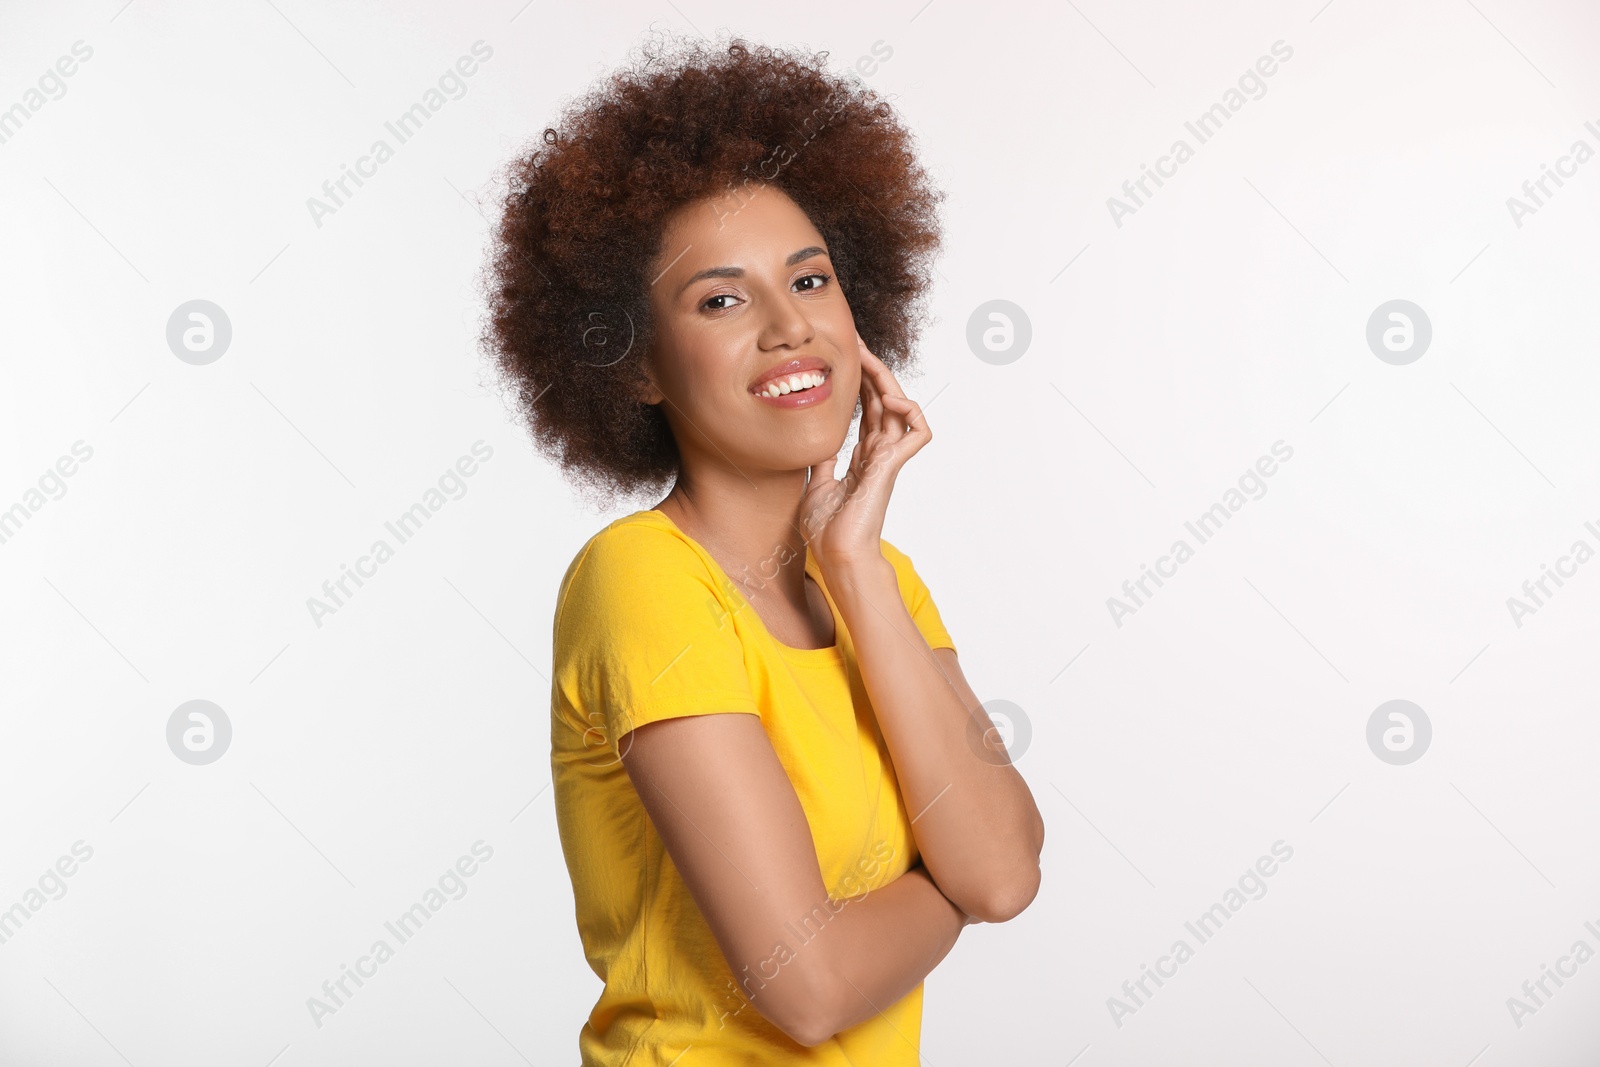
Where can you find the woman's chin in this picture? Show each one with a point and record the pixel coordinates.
(828, 459)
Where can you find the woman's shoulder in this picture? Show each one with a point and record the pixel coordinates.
(639, 583)
(899, 559)
(638, 555)
(644, 535)
(904, 571)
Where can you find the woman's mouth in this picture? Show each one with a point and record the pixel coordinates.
(802, 389)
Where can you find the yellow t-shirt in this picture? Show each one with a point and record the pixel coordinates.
(648, 627)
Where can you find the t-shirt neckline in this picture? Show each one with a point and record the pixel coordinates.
(826, 656)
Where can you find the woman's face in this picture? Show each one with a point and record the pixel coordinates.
(743, 288)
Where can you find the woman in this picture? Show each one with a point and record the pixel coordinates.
(779, 800)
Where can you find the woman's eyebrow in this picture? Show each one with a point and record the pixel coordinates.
(738, 272)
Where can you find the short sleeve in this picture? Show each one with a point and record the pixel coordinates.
(642, 633)
(919, 601)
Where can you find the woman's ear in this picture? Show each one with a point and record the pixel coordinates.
(646, 391)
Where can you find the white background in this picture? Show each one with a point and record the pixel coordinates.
(1169, 353)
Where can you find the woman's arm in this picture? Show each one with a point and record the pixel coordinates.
(976, 824)
(734, 827)
(975, 821)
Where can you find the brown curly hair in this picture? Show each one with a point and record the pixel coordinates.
(567, 283)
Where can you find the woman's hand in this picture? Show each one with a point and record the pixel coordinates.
(842, 521)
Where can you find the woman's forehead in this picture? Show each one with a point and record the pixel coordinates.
(732, 230)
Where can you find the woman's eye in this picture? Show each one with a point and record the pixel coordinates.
(818, 279)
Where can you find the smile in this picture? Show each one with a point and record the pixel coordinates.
(795, 383)
(804, 389)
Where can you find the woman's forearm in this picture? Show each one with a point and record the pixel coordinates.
(975, 821)
(813, 954)
(879, 947)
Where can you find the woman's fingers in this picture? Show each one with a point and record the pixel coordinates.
(884, 385)
(882, 376)
(886, 410)
(908, 410)
(892, 430)
(871, 404)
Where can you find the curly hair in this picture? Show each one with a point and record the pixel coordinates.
(583, 216)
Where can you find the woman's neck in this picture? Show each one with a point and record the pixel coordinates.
(752, 531)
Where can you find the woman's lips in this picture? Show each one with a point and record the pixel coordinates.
(787, 369)
(804, 398)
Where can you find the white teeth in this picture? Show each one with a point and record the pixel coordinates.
(793, 384)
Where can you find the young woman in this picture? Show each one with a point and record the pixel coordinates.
(779, 800)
